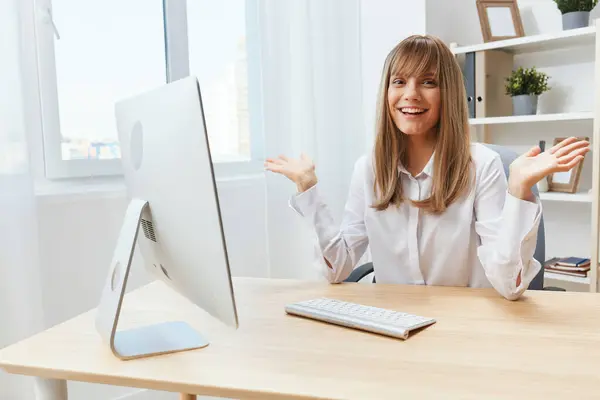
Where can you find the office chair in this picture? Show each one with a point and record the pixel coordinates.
(507, 156)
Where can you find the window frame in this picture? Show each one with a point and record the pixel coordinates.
(54, 165)
(177, 67)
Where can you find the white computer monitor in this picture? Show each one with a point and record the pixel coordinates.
(173, 215)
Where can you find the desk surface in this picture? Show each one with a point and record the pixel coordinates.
(546, 345)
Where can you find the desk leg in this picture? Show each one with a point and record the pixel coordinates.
(184, 396)
(50, 389)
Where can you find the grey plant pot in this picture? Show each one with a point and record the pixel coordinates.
(525, 104)
(576, 19)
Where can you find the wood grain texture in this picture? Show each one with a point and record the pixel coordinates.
(546, 345)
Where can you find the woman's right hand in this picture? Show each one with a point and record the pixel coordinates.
(300, 171)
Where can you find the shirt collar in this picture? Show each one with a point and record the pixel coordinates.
(427, 170)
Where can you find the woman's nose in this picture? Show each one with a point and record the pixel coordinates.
(411, 92)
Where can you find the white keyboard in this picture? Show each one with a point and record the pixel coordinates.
(358, 316)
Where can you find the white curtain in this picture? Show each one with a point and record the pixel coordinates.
(21, 312)
(312, 103)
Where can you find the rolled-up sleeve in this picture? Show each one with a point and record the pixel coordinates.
(507, 227)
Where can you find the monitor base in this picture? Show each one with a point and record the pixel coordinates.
(145, 341)
(164, 338)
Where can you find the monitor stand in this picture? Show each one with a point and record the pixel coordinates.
(146, 341)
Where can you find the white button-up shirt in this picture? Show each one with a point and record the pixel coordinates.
(485, 239)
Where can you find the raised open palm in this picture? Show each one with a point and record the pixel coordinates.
(300, 171)
(534, 165)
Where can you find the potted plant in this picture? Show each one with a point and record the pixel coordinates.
(525, 85)
(575, 13)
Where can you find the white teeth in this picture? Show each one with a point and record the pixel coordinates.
(412, 110)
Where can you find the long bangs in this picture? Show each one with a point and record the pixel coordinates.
(416, 57)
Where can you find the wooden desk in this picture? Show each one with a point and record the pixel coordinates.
(547, 345)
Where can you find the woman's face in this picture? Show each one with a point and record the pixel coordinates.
(414, 103)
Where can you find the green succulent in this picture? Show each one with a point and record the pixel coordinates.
(526, 81)
(567, 6)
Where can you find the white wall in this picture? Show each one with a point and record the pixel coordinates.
(453, 21)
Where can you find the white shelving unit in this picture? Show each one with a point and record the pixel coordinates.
(567, 278)
(574, 116)
(563, 40)
(531, 44)
(583, 197)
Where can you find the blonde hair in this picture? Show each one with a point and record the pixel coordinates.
(417, 55)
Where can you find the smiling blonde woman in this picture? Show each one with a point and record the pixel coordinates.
(434, 208)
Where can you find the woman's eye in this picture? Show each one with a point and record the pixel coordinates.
(429, 82)
(398, 81)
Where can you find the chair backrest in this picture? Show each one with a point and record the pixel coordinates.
(508, 156)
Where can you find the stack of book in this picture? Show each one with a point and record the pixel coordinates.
(573, 266)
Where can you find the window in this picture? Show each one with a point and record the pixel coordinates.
(221, 68)
(221, 50)
(91, 54)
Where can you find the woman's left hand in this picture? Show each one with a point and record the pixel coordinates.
(534, 165)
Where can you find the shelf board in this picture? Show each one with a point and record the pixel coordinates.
(567, 278)
(573, 116)
(534, 43)
(582, 197)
